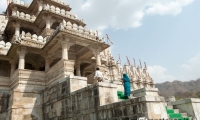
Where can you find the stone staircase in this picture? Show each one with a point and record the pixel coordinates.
(175, 115)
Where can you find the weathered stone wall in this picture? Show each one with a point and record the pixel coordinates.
(25, 103)
(4, 98)
(3, 102)
(4, 83)
(28, 78)
(99, 102)
(191, 106)
(85, 105)
(61, 102)
(154, 103)
(61, 69)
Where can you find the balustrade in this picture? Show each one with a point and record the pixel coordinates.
(4, 47)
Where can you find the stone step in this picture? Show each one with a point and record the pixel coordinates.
(184, 114)
(169, 107)
(180, 119)
(176, 110)
(190, 118)
(120, 100)
(174, 115)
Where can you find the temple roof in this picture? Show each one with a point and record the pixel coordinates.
(24, 7)
(33, 32)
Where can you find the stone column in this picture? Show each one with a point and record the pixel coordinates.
(40, 5)
(98, 59)
(47, 61)
(22, 52)
(96, 52)
(12, 62)
(78, 71)
(66, 44)
(17, 28)
(49, 21)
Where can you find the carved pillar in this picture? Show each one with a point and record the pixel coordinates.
(22, 52)
(66, 44)
(65, 48)
(12, 62)
(40, 5)
(96, 52)
(17, 28)
(78, 71)
(49, 21)
(47, 61)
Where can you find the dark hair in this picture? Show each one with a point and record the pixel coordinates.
(97, 69)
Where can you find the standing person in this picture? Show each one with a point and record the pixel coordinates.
(127, 86)
(98, 77)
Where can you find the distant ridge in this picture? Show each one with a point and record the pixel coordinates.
(180, 89)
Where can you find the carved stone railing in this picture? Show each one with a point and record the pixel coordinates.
(4, 47)
(3, 25)
(28, 77)
(76, 30)
(52, 9)
(59, 1)
(61, 12)
(29, 40)
(21, 3)
(23, 16)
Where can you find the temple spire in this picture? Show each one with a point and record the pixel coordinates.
(140, 64)
(134, 62)
(145, 65)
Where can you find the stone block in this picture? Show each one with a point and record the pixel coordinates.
(145, 92)
(190, 106)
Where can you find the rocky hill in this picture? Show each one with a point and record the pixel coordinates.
(180, 89)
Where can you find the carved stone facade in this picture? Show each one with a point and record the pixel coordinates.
(47, 63)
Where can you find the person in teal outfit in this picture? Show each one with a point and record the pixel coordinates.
(127, 86)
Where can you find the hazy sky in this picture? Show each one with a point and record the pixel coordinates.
(163, 33)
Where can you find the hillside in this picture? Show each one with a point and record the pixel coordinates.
(180, 89)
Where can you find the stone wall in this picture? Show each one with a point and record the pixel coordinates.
(61, 101)
(3, 101)
(155, 104)
(4, 98)
(99, 102)
(25, 103)
(4, 83)
(191, 106)
(28, 78)
(61, 69)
